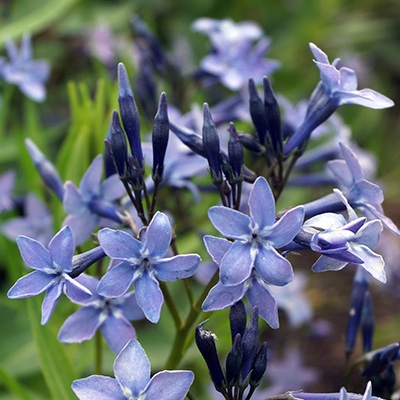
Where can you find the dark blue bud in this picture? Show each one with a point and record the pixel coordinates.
(135, 174)
(109, 166)
(381, 360)
(160, 138)
(119, 150)
(211, 146)
(250, 143)
(188, 137)
(273, 115)
(81, 262)
(206, 344)
(260, 365)
(235, 153)
(46, 169)
(237, 319)
(250, 344)
(233, 363)
(257, 112)
(389, 379)
(129, 114)
(104, 209)
(367, 322)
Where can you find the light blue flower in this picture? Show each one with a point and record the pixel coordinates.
(28, 74)
(51, 275)
(7, 182)
(132, 373)
(143, 264)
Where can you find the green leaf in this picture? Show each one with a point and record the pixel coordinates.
(13, 385)
(56, 366)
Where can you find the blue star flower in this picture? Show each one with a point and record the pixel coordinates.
(143, 263)
(52, 268)
(132, 373)
(256, 237)
(111, 316)
(92, 201)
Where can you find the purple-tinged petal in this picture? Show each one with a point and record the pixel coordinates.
(75, 291)
(16, 227)
(61, 249)
(237, 264)
(117, 281)
(365, 192)
(80, 326)
(259, 295)
(373, 262)
(319, 55)
(354, 225)
(348, 79)
(341, 173)
(33, 89)
(129, 307)
(335, 240)
(72, 201)
(329, 77)
(31, 285)
(178, 267)
(90, 283)
(97, 387)
(35, 254)
(132, 369)
(284, 230)
(158, 236)
(262, 204)
(369, 234)
(272, 267)
(326, 221)
(325, 263)
(120, 245)
(112, 188)
(230, 223)
(372, 212)
(82, 225)
(50, 302)
(222, 296)
(352, 162)
(149, 296)
(117, 332)
(216, 247)
(90, 183)
(365, 97)
(169, 385)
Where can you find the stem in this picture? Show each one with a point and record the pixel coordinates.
(287, 173)
(271, 168)
(189, 396)
(154, 200)
(135, 203)
(251, 391)
(171, 305)
(147, 198)
(239, 195)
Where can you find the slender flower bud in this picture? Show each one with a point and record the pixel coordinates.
(129, 114)
(236, 156)
(273, 118)
(233, 363)
(119, 150)
(257, 112)
(109, 166)
(206, 344)
(160, 138)
(250, 143)
(250, 344)
(389, 379)
(260, 365)
(46, 169)
(188, 137)
(237, 319)
(81, 262)
(381, 360)
(367, 322)
(135, 175)
(211, 146)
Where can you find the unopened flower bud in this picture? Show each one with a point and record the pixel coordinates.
(237, 319)
(233, 363)
(236, 156)
(257, 112)
(259, 366)
(250, 344)
(367, 322)
(119, 150)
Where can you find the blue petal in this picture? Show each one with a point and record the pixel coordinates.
(329, 77)
(129, 307)
(372, 212)
(230, 223)
(369, 234)
(272, 267)
(132, 368)
(373, 262)
(169, 385)
(365, 192)
(326, 221)
(365, 97)
(80, 326)
(76, 291)
(178, 267)
(72, 201)
(90, 183)
(262, 204)
(117, 281)
(31, 285)
(325, 263)
(319, 55)
(34, 254)
(222, 296)
(342, 173)
(158, 236)
(61, 249)
(348, 79)
(50, 302)
(120, 245)
(90, 283)
(216, 247)
(117, 332)
(82, 225)
(112, 188)
(97, 387)
(237, 264)
(149, 296)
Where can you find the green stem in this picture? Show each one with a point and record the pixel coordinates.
(169, 301)
(154, 200)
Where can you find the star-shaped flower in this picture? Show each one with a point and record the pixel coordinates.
(111, 316)
(143, 263)
(132, 373)
(256, 237)
(52, 268)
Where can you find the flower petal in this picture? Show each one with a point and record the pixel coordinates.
(365, 97)
(319, 55)
(178, 267)
(112, 188)
(132, 368)
(341, 173)
(90, 183)
(369, 234)
(230, 223)
(82, 225)
(216, 247)
(373, 262)
(31, 285)
(222, 296)
(97, 387)
(61, 249)
(149, 296)
(325, 263)
(76, 291)
(372, 212)
(262, 204)
(129, 307)
(158, 236)
(50, 302)
(117, 281)
(348, 79)
(35, 254)
(169, 385)
(72, 201)
(329, 77)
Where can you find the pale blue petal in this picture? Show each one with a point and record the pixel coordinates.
(272, 267)
(120, 245)
(329, 77)
(112, 188)
(33, 89)
(90, 183)
(371, 211)
(117, 332)
(132, 368)
(90, 283)
(80, 326)
(97, 387)
(158, 236)
(178, 267)
(262, 204)
(117, 281)
(31, 285)
(216, 247)
(286, 228)
(365, 97)
(169, 385)
(365, 192)
(369, 234)
(348, 79)
(230, 223)
(341, 173)
(129, 307)
(237, 264)
(62, 249)
(50, 302)
(373, 262)
(76, 291)
(35, 254)
(326, 221)
(325, 263)
(352, 162)
(222, 296)
(319, 55)
(82, 226)
(72, 201)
